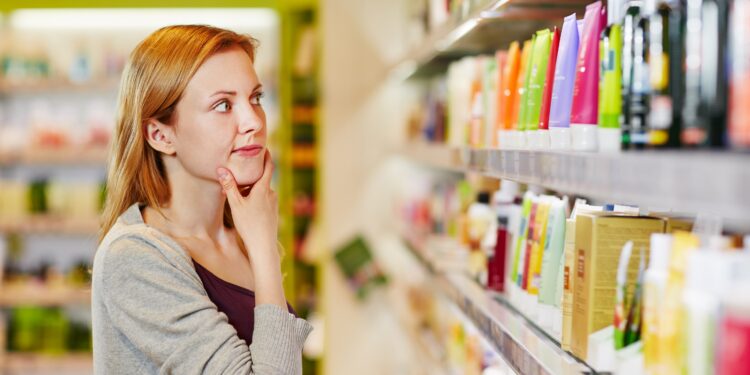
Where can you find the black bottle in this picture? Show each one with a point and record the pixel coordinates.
(713, 70)
(629, 24)
(641, 85)
(665, 64)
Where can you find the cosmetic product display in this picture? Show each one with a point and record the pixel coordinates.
(628, 76)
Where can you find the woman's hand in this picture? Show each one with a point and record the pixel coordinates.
(256, 220)
(256, 216)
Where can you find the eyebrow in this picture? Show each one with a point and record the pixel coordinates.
(233, 93)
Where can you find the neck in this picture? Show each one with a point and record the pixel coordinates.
(196, 206)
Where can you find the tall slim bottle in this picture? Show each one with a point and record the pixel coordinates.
(641, 89)
(713, 70)
(739, 97)
(610, 79)
(629, 24)
(694, 126)
(665, 47)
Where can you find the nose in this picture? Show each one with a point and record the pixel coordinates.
(251, 119)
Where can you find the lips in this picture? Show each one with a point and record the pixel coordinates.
(249, 150)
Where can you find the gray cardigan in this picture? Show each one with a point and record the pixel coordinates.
(151, 314)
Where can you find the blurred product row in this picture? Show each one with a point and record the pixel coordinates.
(621, 288)
(631, 75)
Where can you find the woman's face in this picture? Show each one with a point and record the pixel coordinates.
(219, 121)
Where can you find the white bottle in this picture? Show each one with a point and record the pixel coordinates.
(654, 287)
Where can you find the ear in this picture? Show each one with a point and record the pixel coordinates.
(161, 137)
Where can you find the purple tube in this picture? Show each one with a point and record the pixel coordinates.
(562, 90)
(584, 114)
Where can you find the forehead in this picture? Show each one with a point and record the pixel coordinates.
(230, 69)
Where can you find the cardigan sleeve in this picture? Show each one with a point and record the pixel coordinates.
(164, 312)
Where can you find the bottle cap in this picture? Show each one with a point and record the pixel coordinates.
(584, 137)
(610, 140)
(559, 139)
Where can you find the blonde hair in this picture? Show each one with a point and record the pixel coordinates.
(154, 79)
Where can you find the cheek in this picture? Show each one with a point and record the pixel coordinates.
(202, 151)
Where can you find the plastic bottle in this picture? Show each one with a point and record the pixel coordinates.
(629, 23)
(610, 76)
(654, 285)
(665, 55)
(641, 86)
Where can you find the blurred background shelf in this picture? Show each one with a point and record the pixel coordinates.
(49, 224)
(43, 296)
(524, 346)
(42, 364)
(482, 28)
(690, 181)
(96, 156)
(57, 86)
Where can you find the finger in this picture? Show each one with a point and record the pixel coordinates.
(268, 167)
(226, 179)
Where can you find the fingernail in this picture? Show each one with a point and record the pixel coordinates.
(223, 174)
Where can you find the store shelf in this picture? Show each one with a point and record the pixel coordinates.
(526, 348)
(485, 28)
(40, 364)
(57, 86)
(56, 156)
(692, 182)
(40, 295)
(44, 224)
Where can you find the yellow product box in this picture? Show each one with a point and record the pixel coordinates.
(568, 283)
(600, 238)
(674, 222)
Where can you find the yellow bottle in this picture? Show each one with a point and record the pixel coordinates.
(670, 334)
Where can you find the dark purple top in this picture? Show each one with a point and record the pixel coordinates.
(233, 300)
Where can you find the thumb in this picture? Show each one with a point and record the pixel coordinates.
(226, 179)
(268, 167)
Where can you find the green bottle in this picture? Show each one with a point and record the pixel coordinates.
(524, 101)
(610, 79)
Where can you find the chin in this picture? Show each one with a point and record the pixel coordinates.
(246, 178)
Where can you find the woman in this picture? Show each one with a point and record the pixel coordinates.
(190, 219)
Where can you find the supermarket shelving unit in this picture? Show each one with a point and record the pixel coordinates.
(46, 224)
(689, 181)
(526, 348)
(43, 296)
(481, 26)
(32, 364)
(56, 157)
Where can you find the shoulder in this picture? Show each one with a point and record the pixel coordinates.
(128, 248)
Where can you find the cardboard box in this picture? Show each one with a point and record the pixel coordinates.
(568, 283)
(675, 224)
(599, 241)
(675, 221)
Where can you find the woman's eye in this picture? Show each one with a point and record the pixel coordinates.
(222, 107)
(256, 100)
